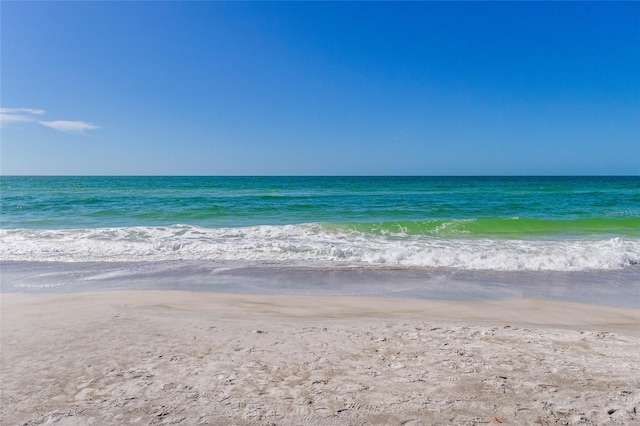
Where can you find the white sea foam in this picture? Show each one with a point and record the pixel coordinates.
(314, 245)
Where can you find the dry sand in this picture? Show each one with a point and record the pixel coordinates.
(205, 358)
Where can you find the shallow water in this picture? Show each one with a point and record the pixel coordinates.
(613, 288)
(565, 238)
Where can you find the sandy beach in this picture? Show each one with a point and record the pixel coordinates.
(154, 357)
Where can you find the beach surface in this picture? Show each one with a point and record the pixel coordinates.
(175, 357)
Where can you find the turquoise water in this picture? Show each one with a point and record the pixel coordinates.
(466, 223)
(500, 206)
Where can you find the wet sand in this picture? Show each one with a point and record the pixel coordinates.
(172, 357)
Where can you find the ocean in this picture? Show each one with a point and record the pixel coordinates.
(571, 238)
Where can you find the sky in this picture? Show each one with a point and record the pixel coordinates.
(320, 88)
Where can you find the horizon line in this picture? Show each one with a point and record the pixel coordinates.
(318, 175)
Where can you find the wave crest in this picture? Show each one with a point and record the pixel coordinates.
(514, 227)
(317, 245)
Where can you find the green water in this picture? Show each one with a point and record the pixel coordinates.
(448, 207)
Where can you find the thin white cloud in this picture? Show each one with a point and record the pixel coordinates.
(22, 111)
(14, 115)
(77, 127)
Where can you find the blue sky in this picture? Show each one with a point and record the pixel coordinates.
(300, 88)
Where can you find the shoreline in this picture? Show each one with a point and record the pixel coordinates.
(217, 305)
(615, 288)
(161, 357)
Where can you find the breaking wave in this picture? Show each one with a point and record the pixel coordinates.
(426, 245)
